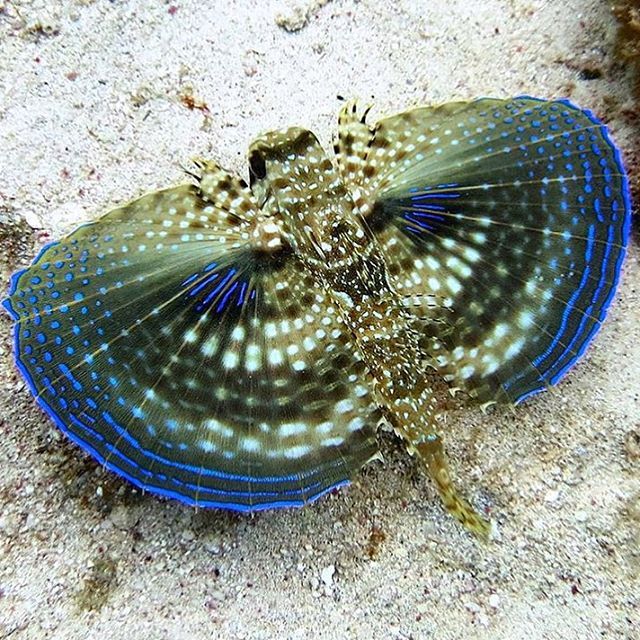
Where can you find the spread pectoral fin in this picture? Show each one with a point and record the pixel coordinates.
(516, 213)
(170, 344)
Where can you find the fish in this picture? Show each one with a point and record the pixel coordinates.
(236, 345)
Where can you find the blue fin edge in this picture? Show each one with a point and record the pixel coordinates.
(626, 230)
(85, 446)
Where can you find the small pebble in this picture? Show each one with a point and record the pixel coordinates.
(120, 517)
(30, 522)
(474, 607)
(212, 547)
(326, 575)
(424, 608)
(187, 535)
(217, 595)
(33, 220)
(552, 495)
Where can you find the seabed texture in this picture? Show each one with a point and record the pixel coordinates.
(102, 101)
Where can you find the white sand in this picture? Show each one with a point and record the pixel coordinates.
(90, 117)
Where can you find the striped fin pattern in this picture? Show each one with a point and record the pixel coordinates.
(160, 340)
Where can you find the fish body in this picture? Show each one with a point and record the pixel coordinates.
(236, 345)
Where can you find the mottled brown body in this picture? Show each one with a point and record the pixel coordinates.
(332, 239)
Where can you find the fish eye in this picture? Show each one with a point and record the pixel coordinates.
(257, 166)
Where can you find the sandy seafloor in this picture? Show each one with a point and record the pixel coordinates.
(94, 111)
